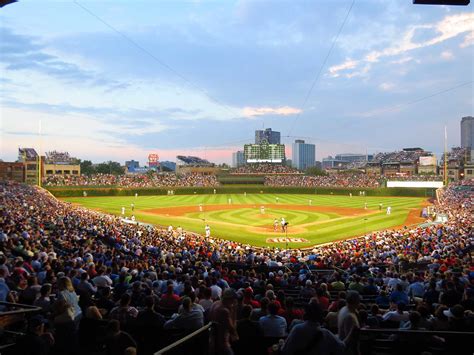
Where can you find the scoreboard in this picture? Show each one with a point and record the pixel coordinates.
(264, 153)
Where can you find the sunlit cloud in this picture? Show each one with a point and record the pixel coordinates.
(262, 111)
(447, 55)
(449, 27)
(468, 40)
(386, 86)
(348, 64)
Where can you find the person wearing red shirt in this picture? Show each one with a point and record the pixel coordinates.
(169, 299)
(248, 298)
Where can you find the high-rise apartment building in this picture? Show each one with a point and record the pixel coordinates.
(303, 155)
(238, 159)
(272, 137)
(467, 132)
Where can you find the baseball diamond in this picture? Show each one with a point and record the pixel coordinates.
(313, 219)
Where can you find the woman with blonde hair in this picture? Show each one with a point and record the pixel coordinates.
(66, 292)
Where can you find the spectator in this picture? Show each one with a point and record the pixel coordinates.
(248, 331)
(189, 319)
(398, 315)
(170, 300)
(398, 295)
(67, 293)
(124, 313)
(348, 323)
(117, 341)
(36, 341)
(273, 325)
(309, 338)
(223, 312)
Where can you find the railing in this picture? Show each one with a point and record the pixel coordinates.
(392, 341)
(207, 328)
(15, 315)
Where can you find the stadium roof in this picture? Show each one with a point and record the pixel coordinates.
(192, 160)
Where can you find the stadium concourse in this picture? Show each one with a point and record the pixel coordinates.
(106, 287)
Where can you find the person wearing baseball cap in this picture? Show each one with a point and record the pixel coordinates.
(457, 321)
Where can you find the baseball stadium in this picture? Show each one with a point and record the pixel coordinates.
(236, 177)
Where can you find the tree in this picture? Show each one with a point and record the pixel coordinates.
(110, 167)
(315, 171)
(87, 168)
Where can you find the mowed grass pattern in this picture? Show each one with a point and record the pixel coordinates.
(247, 225)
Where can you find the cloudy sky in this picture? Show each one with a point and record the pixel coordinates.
(120, 79)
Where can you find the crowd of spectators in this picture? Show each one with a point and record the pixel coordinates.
(456, 154)
(403, 156)
(109, 287)
(133, 180)
(347, 180)
(264, 169)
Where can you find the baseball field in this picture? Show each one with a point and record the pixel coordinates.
(255, 219)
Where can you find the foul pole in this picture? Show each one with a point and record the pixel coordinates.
(39, 153)
(445, 156)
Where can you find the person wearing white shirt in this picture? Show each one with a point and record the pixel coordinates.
(216, 291)
(102, 280)
(398, 315)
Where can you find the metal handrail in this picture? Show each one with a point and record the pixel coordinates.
(25, 308)
(414, 331)
(186, 338)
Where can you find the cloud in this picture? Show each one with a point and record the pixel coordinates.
(468, 40)
(447, 55)
(386, 86)
(262, 111)
(348, 64)
(447, 28)
(402, 60)
(27, 53)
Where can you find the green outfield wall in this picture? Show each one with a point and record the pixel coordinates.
(77, 191)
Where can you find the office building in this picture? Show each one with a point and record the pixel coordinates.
(30, 159)
(303, 155)
(354, 158)
(467, 132)
(272, 137)
(132, 165)
(332, 163)
(238, 159)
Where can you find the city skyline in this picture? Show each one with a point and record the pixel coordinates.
(83, 70)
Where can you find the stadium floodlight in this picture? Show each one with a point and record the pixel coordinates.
(442, 2)
(6, 2)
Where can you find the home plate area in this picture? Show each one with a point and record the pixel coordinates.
(286, 240)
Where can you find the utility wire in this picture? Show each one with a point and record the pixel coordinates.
(318, 75)
(155, 58)
(393, 108)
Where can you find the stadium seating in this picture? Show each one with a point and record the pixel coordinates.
(53, 251)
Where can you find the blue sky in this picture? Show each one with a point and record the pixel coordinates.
(198, 77)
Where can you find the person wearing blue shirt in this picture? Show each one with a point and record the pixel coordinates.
(416, 289)
(4, 289)
(398, 295)
(309, 338)
(273, 325)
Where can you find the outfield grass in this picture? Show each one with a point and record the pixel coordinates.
(328, 218)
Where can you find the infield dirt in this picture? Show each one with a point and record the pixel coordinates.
(182, 210)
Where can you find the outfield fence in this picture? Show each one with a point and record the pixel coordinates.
(78, 191)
